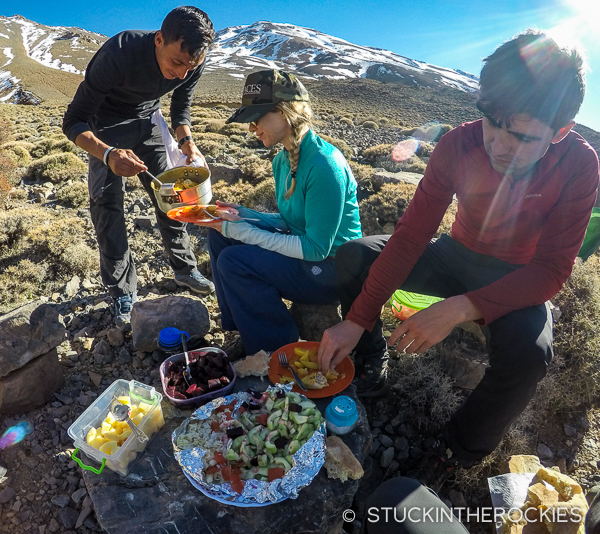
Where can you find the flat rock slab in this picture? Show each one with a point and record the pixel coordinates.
(156, 497)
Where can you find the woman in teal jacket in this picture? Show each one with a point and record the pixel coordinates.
(290, 254)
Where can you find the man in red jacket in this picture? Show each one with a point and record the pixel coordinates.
(525, 185)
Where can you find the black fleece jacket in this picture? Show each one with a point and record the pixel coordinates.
(123, 82)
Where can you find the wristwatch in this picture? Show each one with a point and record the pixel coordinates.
(183, 140)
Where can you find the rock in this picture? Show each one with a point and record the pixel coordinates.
(96, 378)
(31, 386)
(544, 452)
(385, 177)
(72, 286)
(115, 337)
(83, 515)
(312, 320)
(7, 494)
(145, 221)
(54, 526)
(68, 516)
(398, 419)
(386, 457)
(458, 499)
(157, 493)
(78, 495)
(149, 317)
(569, 430)
(102, 353)
(61, 500)
(386, 441)
(228, 173)
(28, 332)
(465, 366)
(401, 444)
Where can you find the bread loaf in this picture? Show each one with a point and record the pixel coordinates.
(340, 462)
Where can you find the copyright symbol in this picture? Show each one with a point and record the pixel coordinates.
(348, 515)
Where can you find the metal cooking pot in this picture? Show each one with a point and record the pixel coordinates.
(168, 198)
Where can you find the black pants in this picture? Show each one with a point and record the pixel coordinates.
(107, 210)
(519, 343)
(404, 506)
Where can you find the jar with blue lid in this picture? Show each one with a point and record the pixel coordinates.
(341, 415)
(169, 340)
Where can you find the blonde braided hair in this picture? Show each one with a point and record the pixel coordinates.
(299, 116)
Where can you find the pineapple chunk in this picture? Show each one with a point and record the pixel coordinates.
(90, 435)
(138, 418)
(106, 426)
(143, 407)
(110, 447)
(97, 442)
(111, 435)
(124, 399)
(126, 433)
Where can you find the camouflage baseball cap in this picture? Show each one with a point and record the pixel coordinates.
(263, 90)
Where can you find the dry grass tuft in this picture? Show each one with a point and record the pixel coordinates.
(385, 208)
(73, 195)
(255, 169)
(58, 168)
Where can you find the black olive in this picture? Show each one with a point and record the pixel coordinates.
(295, 407)
(235, 432)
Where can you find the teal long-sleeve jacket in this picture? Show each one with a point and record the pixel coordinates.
(321, 214)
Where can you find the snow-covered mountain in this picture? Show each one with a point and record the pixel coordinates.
(313, 54)
(27, 49)
(45, 63)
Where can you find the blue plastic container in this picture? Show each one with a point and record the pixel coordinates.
(169, 339)
(341, 415)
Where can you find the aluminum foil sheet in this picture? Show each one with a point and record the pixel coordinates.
(307, 463)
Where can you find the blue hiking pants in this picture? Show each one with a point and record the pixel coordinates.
(251, 282)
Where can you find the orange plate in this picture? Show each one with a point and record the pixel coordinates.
(346, 367)
(185, 214)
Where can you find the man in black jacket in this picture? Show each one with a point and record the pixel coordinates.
(110, 117)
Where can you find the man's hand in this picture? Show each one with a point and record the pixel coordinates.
(123, 162)
(337, 342)
(192, 152)
(424, 329)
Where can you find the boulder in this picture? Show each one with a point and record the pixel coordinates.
(28, 332)
(313, 319)
(228, 173)
(385, 177)
(156, 496)
(149, 317)
(31, 386)
(465, 365)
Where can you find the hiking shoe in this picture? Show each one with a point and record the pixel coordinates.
(121, 310)
(235, 350)
(195, 282)
(370, 377)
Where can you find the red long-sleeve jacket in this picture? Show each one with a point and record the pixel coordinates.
(538, 221)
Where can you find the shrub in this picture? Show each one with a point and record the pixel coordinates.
(21, 282)
(58, 167)
(208, 147)
(262, 197)
(231, 193)
(234, 128)
(54, 143)
(5, 130)
(73, 195)
(381, 156)
(384, 208)
(371, 125)
(255, 169)
(383, 121)
(18, 154)
(340, 144)
(347, 121)
(213, 125)
(7, 176)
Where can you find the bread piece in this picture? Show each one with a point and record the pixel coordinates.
(340, 462)
(571, 515)
(523, 463)
(566, 486)
(257, 365)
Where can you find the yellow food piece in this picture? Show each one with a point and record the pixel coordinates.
(143, 407)
(299, 364)
(314, 356)
(138, 418)
(285, 379)
(111, 435)
(135, 411)
(105, 426)
(124, 435)
(302, 372)
(184, 183)
(90, 435)
(110, 447)
(97, 442)
(301, 352)
(331, 375)
(311, 365)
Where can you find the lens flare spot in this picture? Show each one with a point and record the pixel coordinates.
(15, 434)
(405, 149)
(430, 131)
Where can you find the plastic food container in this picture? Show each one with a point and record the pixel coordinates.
(120, 461)
(341, 415)
(202, 399)
(404, 304)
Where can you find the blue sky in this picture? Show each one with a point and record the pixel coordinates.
(451, 33)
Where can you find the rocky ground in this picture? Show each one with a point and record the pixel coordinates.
(41, 488)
